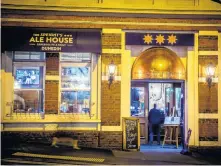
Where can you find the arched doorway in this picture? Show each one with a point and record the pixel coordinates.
(158, 77)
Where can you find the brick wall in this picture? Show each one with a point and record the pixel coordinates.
(208, 129)
(52, 86)
(110, 95)
(111, 40)
(89, 139)
(208, 43)
(208, 98)
(111, 140)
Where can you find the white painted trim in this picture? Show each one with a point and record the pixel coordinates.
(173, 10)
(208, 53)
(190, 111)
(196, 102)
(208, 116)
(219, 89)
(111, 128)
(107, 22)
(209, 143)
(208, 33)
(111, 51)
(49, 77)
(117, 31)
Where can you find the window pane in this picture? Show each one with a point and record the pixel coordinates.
(160, 94)
(137, 101)
(178, 100)
(28, 101)
(75, 102)
(75, 57)
(75, 77)
(28, 77)
(21, 55)
(29, 56)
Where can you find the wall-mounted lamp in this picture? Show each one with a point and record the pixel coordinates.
(111, 71)
(210, 72)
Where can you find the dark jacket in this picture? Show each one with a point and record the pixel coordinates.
(155, 116)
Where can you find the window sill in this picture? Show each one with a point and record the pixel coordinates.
(36, 118)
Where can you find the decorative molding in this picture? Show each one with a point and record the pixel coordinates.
(51, 127)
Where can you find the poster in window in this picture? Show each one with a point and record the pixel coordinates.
(29, 78)
(75, 77)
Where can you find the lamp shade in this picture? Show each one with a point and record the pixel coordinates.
(210, 69)
(111, 68)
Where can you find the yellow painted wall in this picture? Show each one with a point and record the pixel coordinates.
(190, 97)
(125, 78)
(142, 6)
(192, 115)
(8, 93)
(2, 84)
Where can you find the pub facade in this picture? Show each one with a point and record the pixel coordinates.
(80, 73)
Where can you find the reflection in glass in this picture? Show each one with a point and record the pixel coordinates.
(160, 94)
(75, 102)
(178, 100)
(28, 101)
(137, 101)
(75, 77)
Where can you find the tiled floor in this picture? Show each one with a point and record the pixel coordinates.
(159, 148)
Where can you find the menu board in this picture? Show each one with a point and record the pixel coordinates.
(170, 120)
(51, 96)
(131, 134)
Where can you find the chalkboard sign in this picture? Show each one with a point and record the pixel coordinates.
(131, 134)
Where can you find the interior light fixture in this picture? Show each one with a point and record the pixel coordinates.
(210, 72)
(111, 71)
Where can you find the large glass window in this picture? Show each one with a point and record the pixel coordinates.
(137, 101)
(28, 84)
(75, 85)
(75, 77)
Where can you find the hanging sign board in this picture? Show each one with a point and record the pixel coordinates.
(131, 134)
(50, 40)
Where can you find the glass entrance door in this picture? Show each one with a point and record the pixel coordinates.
(137, 102)
(167, 96)
(138, 108)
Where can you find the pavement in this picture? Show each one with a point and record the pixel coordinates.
(43, 154)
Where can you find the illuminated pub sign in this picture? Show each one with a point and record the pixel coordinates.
(50, 40)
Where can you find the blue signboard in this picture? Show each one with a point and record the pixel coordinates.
(160, 39)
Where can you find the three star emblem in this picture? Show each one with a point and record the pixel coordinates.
(148, 39)
(160, 39)
(172, 39)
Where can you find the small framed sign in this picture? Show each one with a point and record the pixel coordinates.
(131, 134)
(172, 120)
